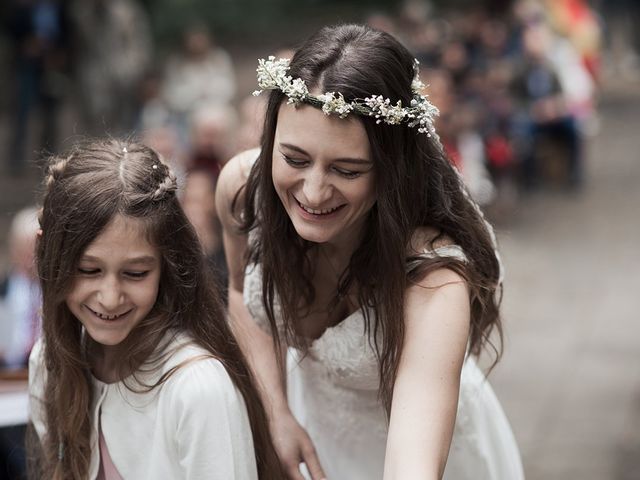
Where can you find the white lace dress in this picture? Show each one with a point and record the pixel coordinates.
(333, 394)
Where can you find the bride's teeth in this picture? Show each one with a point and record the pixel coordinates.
(318, 212)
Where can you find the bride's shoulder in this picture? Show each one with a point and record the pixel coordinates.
(236, 170)
(232, 178)
(427, 239)
(230, 191)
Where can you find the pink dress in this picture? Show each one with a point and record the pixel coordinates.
(108, 470)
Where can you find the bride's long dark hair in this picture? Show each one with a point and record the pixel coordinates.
(416, 186)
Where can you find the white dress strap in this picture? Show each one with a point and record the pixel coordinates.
(453, 250)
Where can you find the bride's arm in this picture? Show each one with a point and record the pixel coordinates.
(291, 442)
(425, 395)
(254, 342)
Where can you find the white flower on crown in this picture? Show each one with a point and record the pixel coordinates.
(417, 86)
(382, 110)
(272, 75)
(333, 103)
(296, 90)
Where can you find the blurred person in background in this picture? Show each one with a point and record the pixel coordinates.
(622, 36)
(20, 293)
(212, 143)
(39, 34)
(20, 325)
(201, 73)
(545, 128)
(114, 51)
(251, 114)
(578, 23)
(198, 202)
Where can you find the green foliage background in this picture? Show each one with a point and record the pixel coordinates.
(260, 22)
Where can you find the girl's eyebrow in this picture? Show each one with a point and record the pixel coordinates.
(358, 161)
(145, 260)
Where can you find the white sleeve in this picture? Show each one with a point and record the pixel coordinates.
(213, 433)
(37, 378)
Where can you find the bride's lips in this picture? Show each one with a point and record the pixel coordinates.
(108, 318)
(321, 214)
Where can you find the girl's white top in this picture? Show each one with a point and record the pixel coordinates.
(194, 426)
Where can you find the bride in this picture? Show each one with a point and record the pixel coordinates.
(363, 280)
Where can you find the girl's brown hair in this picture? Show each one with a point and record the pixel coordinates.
(84, 190)
(416, 186)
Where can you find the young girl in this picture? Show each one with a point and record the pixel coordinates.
(368, 257)
(137, 375)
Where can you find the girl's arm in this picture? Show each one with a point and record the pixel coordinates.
(425, 397)
(291, 441)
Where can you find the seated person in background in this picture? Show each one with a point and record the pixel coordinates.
(20, 293)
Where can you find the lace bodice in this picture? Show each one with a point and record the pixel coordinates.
(343, 349)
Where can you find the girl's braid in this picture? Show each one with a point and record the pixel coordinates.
(167, 186)
(56, 171)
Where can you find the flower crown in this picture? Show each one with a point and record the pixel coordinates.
(421, 113)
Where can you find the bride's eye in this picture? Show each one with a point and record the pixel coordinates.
(347, 173)
(294, 162)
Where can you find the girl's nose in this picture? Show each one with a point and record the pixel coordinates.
(110, 294)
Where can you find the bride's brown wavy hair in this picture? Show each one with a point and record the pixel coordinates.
(416, 186)
(84, 190)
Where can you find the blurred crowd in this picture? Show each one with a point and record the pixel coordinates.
(517, 92)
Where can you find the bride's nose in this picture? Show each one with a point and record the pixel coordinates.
(316, 189)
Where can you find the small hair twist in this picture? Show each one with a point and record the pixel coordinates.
(166, 187)
(56, 171)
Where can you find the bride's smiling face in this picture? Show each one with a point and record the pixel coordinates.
(323, 172)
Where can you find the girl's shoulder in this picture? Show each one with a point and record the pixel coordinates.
(181, 351)
(195, 373)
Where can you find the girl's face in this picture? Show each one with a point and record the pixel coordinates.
(116, 283)
(323, 173)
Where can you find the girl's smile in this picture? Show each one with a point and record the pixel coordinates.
(104, 316)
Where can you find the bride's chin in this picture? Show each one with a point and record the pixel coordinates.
(315, 235)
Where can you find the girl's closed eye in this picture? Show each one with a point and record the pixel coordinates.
(88, 271)
(137, 275)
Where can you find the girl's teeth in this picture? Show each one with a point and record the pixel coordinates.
(106, 317)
